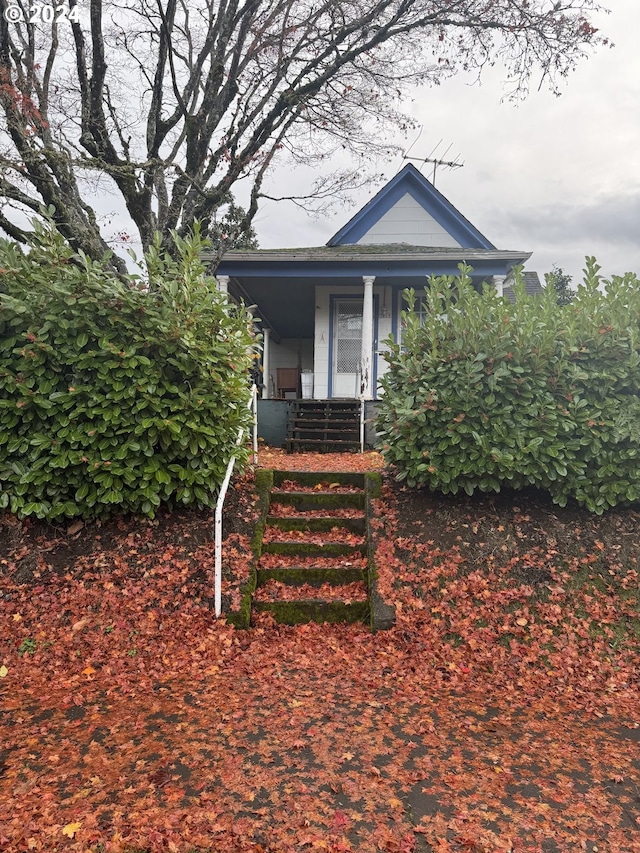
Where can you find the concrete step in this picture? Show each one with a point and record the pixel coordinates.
(313, 578)
(316, 500)
(319, 524)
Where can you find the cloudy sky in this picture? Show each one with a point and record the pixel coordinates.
(559, 177)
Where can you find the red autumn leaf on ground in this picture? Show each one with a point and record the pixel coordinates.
(280, 561)
(283, 510)
(273, 590)
(274, 534)
(500, 713)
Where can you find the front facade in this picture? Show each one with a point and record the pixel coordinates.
(325, 312)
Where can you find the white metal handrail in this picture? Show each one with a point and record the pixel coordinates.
(253, 405)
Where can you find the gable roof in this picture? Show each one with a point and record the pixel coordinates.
(409, 181)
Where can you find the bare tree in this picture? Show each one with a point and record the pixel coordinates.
(172, 102)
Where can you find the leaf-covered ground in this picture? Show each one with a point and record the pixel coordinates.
(502, 713)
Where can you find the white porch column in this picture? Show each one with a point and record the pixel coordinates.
(223, 283)
(498, 283)
(366, 359)
(266, 342)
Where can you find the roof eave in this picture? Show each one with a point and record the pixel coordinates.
(336, 256)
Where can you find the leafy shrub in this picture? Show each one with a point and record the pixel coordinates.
(113, 396)
(487, 393)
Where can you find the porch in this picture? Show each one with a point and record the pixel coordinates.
(325, 313)
(320, 334)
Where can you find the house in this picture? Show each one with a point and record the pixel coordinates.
(326, 311)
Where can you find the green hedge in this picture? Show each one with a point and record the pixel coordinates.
(115, 396)
(487, 393)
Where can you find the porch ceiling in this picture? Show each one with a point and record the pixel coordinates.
(287, 307)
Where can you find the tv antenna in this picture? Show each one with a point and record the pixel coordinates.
(435, 160)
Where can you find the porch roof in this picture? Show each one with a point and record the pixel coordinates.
(397, 259)
(281, 282)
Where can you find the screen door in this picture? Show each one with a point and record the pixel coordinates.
(347, 347)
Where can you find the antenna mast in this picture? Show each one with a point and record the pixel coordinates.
(437, 161)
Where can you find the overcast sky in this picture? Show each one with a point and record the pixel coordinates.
(559, 177)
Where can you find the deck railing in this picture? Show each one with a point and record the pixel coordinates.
(253, 405)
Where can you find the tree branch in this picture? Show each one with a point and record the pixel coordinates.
(178, 100)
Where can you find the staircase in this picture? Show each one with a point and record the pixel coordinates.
(324, 426)
(313, 564)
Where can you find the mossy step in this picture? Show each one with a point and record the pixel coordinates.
(318, 524)
(312, 478)
(299, 612)
(311, 549)
(315, 576)
(315, 500)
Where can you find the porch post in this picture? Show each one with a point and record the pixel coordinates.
(223, 283)
(366, 362)
(498, 283)
(265, 362)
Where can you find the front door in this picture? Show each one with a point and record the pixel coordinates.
(347, 347)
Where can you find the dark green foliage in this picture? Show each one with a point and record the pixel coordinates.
(560, 281)
(231, 230)
(114, 397)
(488, 394)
